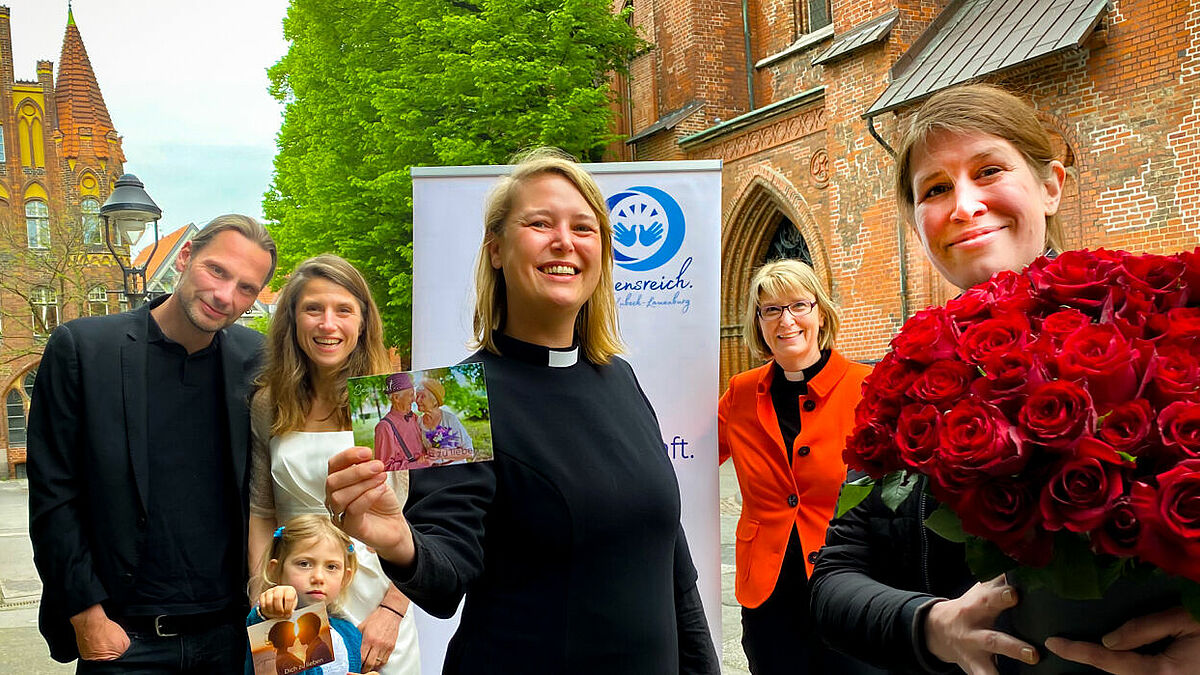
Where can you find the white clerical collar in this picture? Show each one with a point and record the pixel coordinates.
(563, 358)
(794, 376)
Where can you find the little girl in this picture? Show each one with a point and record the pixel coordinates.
(309, 561)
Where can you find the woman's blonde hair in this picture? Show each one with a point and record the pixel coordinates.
(786, 279)
(436, 388)
(300, 530)
(287, 376)
(596, 323)
(977, 109)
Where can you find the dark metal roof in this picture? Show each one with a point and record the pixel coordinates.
(971, 38)
(667, 121)
(862, 35)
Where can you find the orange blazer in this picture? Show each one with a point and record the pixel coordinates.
(774, 495)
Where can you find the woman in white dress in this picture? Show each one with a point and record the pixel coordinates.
(326, 328)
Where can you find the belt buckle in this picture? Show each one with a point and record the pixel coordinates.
(158, 629)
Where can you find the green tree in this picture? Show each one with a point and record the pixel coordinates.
(374, 87)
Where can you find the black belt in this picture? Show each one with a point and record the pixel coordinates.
(170, 625)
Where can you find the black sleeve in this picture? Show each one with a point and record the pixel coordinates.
(696, 652)
(446, 510)
(56, 479)
(859, 615)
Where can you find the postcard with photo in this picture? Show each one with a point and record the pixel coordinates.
(423, 418)
(297, 643)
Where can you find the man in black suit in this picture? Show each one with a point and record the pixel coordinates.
(138, 435)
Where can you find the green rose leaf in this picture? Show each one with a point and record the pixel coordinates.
(945, 524)
(853, 493)
(896, 488)
(986, 560)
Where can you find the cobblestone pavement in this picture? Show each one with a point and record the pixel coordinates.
(733, 659)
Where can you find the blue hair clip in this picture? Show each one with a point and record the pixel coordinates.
(278, 533)
(350, 548)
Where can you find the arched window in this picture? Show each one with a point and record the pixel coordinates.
(89, 210)
(98, 301)
(45, 310)
(14, 406)
(29, 133)
(37, 223)
(2, 156)
(788, 243)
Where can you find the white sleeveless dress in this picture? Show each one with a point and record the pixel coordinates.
(299, 461)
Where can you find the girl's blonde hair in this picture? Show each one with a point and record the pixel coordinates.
(300, 530)
(977, 109)
(786, 278)
(596, 323)
(287, 374)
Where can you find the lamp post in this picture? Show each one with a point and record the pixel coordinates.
(129, 209)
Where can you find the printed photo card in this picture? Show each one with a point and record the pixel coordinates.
(423, 418)
(297, 643)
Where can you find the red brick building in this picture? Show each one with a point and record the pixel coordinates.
(779, 90)
(59, 156)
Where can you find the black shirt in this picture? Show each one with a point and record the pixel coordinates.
(785, 396)
(190, 555)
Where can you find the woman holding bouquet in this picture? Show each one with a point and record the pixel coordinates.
(326, 328)
(567, 545)
(784, 425)
(977, 178)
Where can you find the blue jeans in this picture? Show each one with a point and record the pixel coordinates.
(221, 649)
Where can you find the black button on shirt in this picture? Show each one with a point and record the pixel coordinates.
(803, 450)
(810, 405)
(793, 500)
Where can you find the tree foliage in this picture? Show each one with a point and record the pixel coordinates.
(374, 87)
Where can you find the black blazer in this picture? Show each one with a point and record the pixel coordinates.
(88, 460)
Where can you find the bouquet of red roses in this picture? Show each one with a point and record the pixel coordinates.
(1056, 416)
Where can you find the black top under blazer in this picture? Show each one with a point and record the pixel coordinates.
(568, 545)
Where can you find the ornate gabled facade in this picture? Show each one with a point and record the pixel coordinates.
(59, 156)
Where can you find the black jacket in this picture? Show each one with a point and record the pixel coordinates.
(876, 577)
(88, 461)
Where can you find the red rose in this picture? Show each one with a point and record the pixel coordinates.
(1127, 427)
(976, 436)
(1006, 292)
(1005, 511)
(917, 435)
(1056, 413)
(1006, 377)
(1008, 333)
(1191, 272)
(1174, 375)
(1170, 516)
(1076, 279)
(1158, 277)
(1182, 325)
(872, 448)
(1179, 428)
(1082, 488)
(1120, 532)
(1062, 324)
(1100, 355)
(883, 390)
(926, 337)
(943, 383)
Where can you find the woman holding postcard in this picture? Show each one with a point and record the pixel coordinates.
(326, 328)
(568, 545)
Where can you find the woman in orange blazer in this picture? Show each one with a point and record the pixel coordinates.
(784, 424)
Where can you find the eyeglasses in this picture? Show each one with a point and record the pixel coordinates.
(796, 309)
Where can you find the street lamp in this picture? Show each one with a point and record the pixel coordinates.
(129, 209)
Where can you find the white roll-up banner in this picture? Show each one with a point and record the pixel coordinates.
(667, 244)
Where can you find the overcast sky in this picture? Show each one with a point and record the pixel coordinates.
(185, 83)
